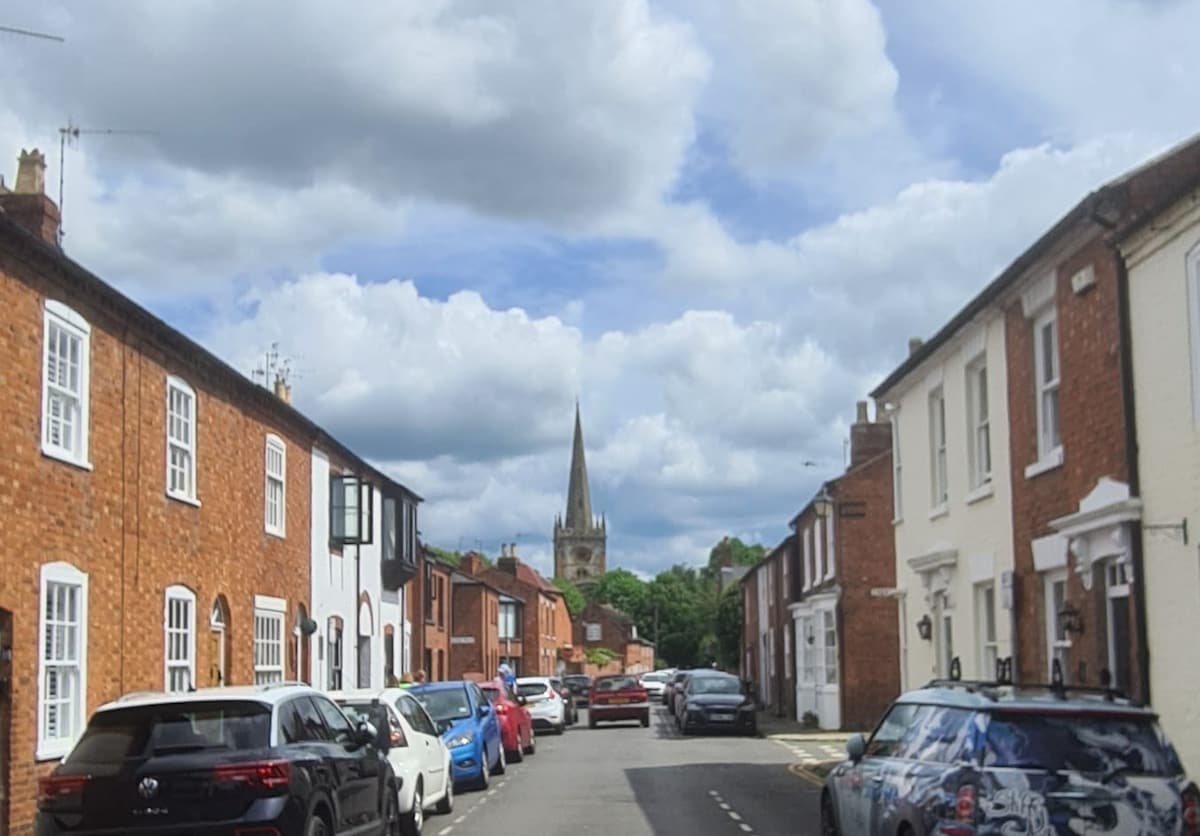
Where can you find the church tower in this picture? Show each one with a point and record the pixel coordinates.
(579, 538)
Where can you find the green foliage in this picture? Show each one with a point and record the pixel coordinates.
(453, 558)
(729, 627)
(599, 656)
(737, 552)
(622, 589)
(574, 598)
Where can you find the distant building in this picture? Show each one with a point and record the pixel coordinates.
(580, 538)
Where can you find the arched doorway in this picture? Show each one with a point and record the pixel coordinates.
(366, 629)
(219, 644)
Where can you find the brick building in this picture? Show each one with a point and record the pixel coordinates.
(533, 608)
(604, 626)
(846, 662)
(767, 632)
(431, 593)
(475, 641)
(156, 503)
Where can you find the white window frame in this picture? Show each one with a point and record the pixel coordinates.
(185, 446)
(829, 649)
(808, 654)
(267, 612)
(278, 528)
(335, 640)
(508, 621)
(1047, 452)
(897, 472)
(939, 485)
(945, 645)
(181, 636)
(979, 432)
(1053, 643)
(1117, 586)
(62, 574)
(830, 563)
(809, 576)
(593, 631)
(786, 588)
(818, 552)
(787, 655)
(988, 650)
(57, 315)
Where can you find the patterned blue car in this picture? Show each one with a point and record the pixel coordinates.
(974, 759)
(470, 728)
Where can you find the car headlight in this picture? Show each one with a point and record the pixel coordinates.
(461, 740)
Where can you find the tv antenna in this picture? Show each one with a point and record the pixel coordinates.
(67, 137)
(29, 33)
(275, 370)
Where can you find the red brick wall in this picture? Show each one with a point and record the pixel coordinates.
(1093, 439)
(115, 522)
(475, 616)
(869, 654)
(431, 637)
(750, 663)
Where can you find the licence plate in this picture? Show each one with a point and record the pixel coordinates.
(618, 701)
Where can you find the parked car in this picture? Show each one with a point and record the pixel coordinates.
(563, 691)
(261, 759)
(618, 697)
(546, 705)
(416, 751)
(470, 728)
(655, 682)
(970, 758)
(668, 696)
(716, 703)
(580, 685)
(516, 725)
(679, 692)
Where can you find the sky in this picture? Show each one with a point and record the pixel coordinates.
(714, 223)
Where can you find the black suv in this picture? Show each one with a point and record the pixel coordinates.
(272, 760)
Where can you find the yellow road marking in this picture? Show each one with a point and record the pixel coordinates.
(800, 771)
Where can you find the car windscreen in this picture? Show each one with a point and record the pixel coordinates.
(715, 685)
(143, 730)
(616, 683)
(445, 705)
(1090, 743)
(654, 677)
(531, 689)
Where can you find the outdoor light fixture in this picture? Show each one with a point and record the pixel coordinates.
(925, 627)
(1070, 618)
(823, 504)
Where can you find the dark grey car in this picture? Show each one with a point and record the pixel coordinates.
(966, 759)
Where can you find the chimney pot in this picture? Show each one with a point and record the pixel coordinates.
(861, 414)
(27, 204)
(31, 172)
(914, 345)
(512, 549)
(282, 390)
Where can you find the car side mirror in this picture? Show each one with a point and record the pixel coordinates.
(366, 733)
(856, 747)
(485, 710)
(521, 700)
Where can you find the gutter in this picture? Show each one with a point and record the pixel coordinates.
(1137, 551)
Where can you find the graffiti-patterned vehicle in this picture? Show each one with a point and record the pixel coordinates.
(975, 759)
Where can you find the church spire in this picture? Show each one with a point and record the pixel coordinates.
(579, 500)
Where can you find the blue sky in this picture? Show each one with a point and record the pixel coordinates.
(715, 222)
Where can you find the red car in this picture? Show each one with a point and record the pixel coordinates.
(618, 697)
(516, 726)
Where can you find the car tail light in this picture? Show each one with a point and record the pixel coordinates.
(265, 775)
(964, 804)
(565, 693)
(53, 787)
(501, 709)
(1191, 812)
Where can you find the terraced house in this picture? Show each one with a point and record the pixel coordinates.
(160, 509)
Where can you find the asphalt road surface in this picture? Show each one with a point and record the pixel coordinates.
(623, 780)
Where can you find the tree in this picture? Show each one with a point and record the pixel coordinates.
(622, 589)
(453, 558)
(729, 627)
(571, 594)
(736, 552)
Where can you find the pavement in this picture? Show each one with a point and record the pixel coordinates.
(622, 778)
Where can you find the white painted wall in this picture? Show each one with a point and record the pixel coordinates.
(975, 526)
(334, 592)
(1169, 451)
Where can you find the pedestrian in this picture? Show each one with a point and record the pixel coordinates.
(419, 679)
(506, 673)
(406, 680)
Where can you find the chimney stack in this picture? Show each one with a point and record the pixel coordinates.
(471, 563)
(282, 390)
(868, 438)
(914, 345)
(27, 204)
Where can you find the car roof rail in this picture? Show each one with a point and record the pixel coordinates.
(1004, 679)
(285, 683)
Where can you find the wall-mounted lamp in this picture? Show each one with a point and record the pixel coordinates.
(1070, 618)
(823, 504)
(925, 627)
(1181, 527)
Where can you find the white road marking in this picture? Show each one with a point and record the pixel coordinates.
(459, 820)
(734, 816)
(713, 793)
(724, 806)
(445, 830)
(747, 828)
(491, 792)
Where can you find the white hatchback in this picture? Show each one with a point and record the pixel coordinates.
(655, 682)
(415, 750)
(546, 706)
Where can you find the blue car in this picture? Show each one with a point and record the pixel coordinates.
(470, 728)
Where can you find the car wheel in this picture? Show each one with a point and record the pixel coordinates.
(446, 805)
(501, 762)
(829, 825)
(531, 749)
(412, 821)
(316, 826)
(485, 773)
(591, 722)
(646, 721)
(517, 755)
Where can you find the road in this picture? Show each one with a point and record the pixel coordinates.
(623, 780)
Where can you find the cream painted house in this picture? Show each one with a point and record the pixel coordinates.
(1163, 265)
(953, 525)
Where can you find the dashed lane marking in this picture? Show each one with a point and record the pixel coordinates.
(491, 792)
(460, 819)
(747, 828)
(445, 830)
(713, 793)
(734, 816)
(716, 796)
(723, 806)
